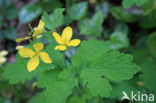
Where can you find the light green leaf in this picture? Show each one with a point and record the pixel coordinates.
(92, 27)
(118, 40)
(78, 10)
(29, 13)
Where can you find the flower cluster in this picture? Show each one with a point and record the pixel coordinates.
(63, 41)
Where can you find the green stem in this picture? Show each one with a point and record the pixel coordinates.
(32, 30)
(29, 38)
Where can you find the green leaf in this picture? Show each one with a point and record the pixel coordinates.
(11, 13)
(118, 40)
(96, 84)
(57, 56)
(104, 7)
(116, 66)
(92, 27)
(53, 20)
(18, 72)
(86, 52)
(49, 5)
(126, 86)
(148, 74)
(78, 10)
(121, 27)
(1, 20)
(20, 66)
(151, 42)
(57, 90)
(129, 3)
(120, 14)
(29, 13)
(98, 64)
(77, 99)
(39, 98)
(10, 33)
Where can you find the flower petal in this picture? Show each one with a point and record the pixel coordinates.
(38, 46)
(74, 42)
(60, 47)
(3, 53)
(41, 24)
(67, 34)
(45, 57)
(18, 40)
(26, 52)
(37, 32)
(33, 63)
(58, 38)
(2, 60)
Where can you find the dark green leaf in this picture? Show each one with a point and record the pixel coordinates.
(78, 11)
(29, 13)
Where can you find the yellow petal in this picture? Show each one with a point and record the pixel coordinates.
(58, 38)
(2, 60)
(3, 53)
(60, 47)
(74, 42)
(39, 29)
(41, 24)
(19, 40)
(19, 47)
(45, 57)
(26, 52)
(38, 46)
(67, 34)
(33, 63)
(37, 32)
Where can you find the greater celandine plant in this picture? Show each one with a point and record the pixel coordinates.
(90, 73)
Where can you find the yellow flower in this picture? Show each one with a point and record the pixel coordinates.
(34, 56)
(19, 47)
(38, 31)
(2, 56)
(65, 39)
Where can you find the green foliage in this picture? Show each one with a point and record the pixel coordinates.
(148, 72)
(93, 26)
(13, 69)
(29, 13)
(54, 20)
(10, 33)
(118, 40)
(151, 43)
(98, 70)
(120, 14)
(129, 3)
(78, 11)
